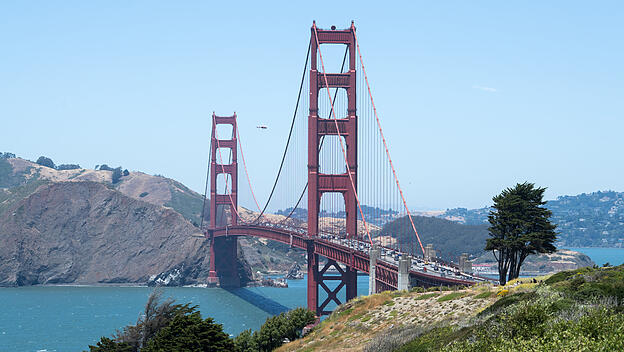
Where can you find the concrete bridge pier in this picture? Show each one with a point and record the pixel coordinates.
(404, 266)
(374, 254)
(223, 262)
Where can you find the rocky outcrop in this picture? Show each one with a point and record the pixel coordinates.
(88, 233)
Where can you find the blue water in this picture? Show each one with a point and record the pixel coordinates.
(600, 256)
(69, 318)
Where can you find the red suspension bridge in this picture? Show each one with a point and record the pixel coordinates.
(337, 161)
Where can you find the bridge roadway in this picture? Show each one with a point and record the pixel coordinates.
(354, 253)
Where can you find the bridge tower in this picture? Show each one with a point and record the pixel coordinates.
(223, 206)
(319, 183)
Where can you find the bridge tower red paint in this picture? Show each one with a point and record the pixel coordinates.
(319, 183)
(223, 207)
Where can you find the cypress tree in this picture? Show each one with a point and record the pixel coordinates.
(519, 227)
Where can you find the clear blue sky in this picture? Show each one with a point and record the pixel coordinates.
(474, 96)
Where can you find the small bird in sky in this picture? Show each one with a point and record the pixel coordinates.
(262, 127)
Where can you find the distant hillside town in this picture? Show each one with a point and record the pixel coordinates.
(585, 220)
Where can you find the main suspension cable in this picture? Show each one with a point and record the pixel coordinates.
(240, 146)
(344, 60)
(201, 223)
(292, 124)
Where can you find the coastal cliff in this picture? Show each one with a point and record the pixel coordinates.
(87, 233)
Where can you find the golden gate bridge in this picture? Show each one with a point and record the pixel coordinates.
(337, 161)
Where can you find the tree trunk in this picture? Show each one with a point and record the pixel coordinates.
(503, 265)
(516, 269)
(512, 265)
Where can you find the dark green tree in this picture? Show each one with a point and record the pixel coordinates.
(519, 227)
(245, 342)
(156, 315)
(68, 167)
(296, 320)
(190, 333)
(284, 326)
(271, 334)
(45, 161)
(116, 175)
(109, 345)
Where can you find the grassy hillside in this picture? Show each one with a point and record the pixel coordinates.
(579, 310)
(19, 178)
(449, 238)
(158, 190)
(9, 178)
(187, 202)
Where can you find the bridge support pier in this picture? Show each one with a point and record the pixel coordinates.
(351, 283)
(313, 272)
(403, 278)
(331, 271)
(374, 255)
(223, 262)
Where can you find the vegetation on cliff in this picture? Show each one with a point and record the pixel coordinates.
(579, 310)
(449, 238)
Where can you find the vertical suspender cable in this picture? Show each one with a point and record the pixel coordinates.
(240, 146)
(305, 66)
(386, 146)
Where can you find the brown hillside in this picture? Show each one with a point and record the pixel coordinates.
(86, 233)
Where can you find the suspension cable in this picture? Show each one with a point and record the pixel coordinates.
(396, 179)
(201, 223)
(344, 153)
(292, 124)
(240, 146)
(344, 60)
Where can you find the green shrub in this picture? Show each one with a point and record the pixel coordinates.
(45, 161)
(189, 333)
(68, 167)
(451, 296)
(483, 295)
(273, 332)
(427, 296)
(507, 301)
(109, 345)
(245, 342)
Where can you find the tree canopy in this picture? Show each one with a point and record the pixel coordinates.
(45, 161)
(189, 333)
(519, 227)
(166, 326)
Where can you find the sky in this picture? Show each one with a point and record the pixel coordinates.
(474, 96)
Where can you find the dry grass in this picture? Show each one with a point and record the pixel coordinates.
(366, 320)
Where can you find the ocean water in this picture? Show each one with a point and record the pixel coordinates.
(600, 256)
(69, 318)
